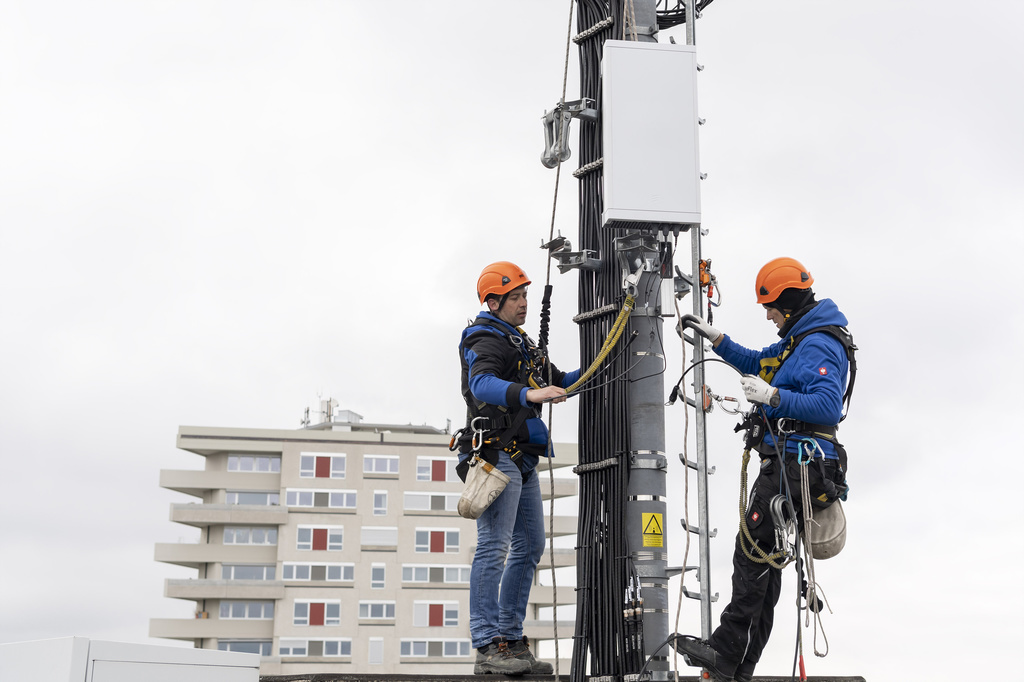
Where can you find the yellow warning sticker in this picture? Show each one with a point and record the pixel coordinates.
(654, 536)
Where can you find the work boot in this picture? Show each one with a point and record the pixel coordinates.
(497, 658)
(520, 648)
(699, 653)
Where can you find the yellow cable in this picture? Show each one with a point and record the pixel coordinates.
(609, 342)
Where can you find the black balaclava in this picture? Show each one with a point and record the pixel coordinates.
(800, 301)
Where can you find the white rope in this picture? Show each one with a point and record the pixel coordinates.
(686, 488)
(551, 470)
(815, 596)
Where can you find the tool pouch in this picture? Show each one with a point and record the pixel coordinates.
(484, 482)
(828, 537)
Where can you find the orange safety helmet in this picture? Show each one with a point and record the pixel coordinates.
(778, 275)
(499, 279)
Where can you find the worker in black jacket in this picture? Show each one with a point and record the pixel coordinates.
(505, 380)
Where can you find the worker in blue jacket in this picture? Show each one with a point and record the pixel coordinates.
(505, 381)
(800, 384)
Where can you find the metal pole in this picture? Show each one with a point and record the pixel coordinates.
(646, 504)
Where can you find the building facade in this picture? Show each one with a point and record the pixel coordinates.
(337, 548)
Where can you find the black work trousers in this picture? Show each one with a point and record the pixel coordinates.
(747, 620)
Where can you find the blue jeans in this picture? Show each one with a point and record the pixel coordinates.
(509, 544)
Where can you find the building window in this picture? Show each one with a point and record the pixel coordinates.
(376, 651)
(236, 535)
(263, 647)
(332, 499)
(435, 615)
(329, 572)
(436, 648)
(418, 573)
(246, 610)
(317, 613)
(377, 610)
(321, 466)
(456, 574)
(379, 536)
(329, 538)
(270, 464)
(247, 572)
(420, 501)
(264, 499)
(315, 647)
(431, 540)
(436, 469)
(380, 502)
(377, 573)
(380, 464)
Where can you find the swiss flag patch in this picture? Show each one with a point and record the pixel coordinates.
(822, 371)
(755, 516)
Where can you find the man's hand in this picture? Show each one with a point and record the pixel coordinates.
(554, 394)
(757, 390)
(700, 326)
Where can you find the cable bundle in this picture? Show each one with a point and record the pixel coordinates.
(612, 643)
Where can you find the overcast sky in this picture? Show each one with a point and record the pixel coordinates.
(213, 212)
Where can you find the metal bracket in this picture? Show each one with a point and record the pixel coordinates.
(637, 253)
(560, 248)
(556, 129)
(682, 283)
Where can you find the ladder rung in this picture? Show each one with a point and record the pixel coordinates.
(695, 530)
(696, 595)
(693, 465)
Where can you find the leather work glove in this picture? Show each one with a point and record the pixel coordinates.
(757, 390)
(698, 325)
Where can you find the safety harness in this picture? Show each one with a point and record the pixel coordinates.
(499, 431)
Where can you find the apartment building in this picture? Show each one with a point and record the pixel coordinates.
(337, 548)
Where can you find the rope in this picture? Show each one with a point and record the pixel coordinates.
(551, 471)
(762, 556)
(813, 588)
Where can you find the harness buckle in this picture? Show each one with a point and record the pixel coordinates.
(787, 425)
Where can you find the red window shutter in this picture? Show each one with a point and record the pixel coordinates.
(437, 541)
(316, 613)
(436, 615)
(319, 538)
(439, 470)
(323, 467)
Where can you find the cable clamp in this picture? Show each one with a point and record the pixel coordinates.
(589, 33)
(588, 168)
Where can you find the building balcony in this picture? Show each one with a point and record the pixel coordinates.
(564, 487)
(563, 525)
(564, 556)
(196, 589)
(207, 628)
(203, 515)
(538, 630)
(193, 555)
(544, 595)
(195, 483)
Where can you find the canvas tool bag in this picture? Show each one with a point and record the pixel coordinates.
(484, 482)
(829, 534)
